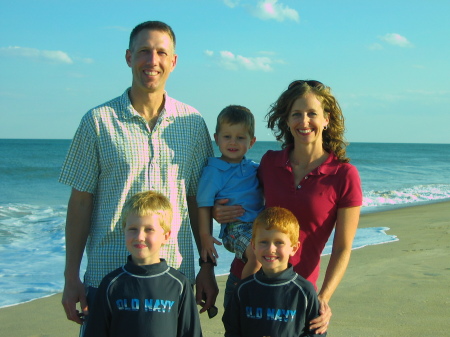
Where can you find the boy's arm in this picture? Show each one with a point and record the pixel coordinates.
(312, 311)
(188, 319)
(231, 318)
(206, 239)
(205, 282)
(99, 320)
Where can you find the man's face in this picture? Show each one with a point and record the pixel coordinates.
(151, 59)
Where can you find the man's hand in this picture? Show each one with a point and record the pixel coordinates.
(74, 293)
(206, 289)
(226, 214)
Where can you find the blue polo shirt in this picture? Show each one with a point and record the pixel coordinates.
(237, 182)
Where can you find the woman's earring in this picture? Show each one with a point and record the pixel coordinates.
(325, 127)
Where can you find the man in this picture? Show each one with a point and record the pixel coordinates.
(139, 141)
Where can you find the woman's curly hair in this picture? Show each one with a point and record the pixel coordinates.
(332, 138)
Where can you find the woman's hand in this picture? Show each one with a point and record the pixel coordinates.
(226, 214)
(320, 324)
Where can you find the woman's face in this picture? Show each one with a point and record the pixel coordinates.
(307, 119)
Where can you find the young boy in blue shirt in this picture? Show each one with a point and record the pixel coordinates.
(231, 177)
(145, 297)
(275, 301)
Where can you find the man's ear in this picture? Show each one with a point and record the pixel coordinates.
(174, 61)
(128, 57)
(252, 142)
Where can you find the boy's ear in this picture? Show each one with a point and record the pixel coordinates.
(252, 142)
(167, 236)
(295, 248)
(215, 138)
(252, 243)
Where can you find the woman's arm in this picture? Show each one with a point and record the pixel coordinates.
(225, 214)
(346, 225)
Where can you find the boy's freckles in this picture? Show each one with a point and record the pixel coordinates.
(273, 249)
(144, 237)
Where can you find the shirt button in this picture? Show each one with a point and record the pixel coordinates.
(306, 177)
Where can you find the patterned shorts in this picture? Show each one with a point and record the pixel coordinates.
(236, 237)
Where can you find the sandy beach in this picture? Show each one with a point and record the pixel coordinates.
(395, 289)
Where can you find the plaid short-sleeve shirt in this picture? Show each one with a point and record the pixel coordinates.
(114, 155)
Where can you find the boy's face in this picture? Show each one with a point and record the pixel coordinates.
(273, 250)
(234, 141)
(144, 237)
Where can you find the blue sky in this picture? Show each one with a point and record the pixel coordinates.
(386, 61)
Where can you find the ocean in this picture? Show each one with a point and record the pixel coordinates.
(33, 204)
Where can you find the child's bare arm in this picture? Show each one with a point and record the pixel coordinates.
(206, 239)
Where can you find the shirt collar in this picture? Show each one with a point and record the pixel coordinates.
(328, 167)
(223, 165)
(168, 111)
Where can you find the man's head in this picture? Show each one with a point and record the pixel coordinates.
(151, 57)
(152, 25)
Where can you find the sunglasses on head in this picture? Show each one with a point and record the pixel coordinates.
(311, 83)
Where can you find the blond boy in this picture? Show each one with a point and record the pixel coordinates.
(145, 297)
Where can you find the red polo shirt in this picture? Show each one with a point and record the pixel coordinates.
(314, 202)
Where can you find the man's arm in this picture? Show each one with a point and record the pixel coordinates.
(78, 224)
(205, 283)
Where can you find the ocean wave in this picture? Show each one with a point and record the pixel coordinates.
(415, 194)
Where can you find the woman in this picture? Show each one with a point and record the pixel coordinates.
(311, 177)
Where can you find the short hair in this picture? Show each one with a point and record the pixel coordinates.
(333, 138)
(237, 114)
(280, 219)
(152, 25)
(148, 203)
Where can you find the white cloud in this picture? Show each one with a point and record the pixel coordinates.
(267, 10)
(55, 56)
(396, 40)
(272, 10)
(231, 3)
(209, 53)
(375, 46)
(234, 62)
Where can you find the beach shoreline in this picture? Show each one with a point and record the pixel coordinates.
(394, 289)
